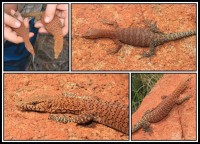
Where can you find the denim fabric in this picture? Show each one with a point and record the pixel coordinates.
(16, 57)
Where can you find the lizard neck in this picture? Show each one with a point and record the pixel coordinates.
(180, 88)
(99, 33)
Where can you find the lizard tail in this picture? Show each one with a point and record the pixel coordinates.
(179, 35)
(137, 126)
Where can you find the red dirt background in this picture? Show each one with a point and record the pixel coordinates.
(180, 124)
(36, 126)
(89, 54)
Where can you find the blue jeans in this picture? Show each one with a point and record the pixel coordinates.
(16, 57)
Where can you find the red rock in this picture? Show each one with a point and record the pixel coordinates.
(180, 124)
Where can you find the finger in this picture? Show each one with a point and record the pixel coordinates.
(62, 22)
(61, 14)
(42, 30)
(50, 12)
(12, 36)
(31, 34)
(62, 7)
(10, 21)
(65, 30)
(16, 14)
(38, 24)
(26, 22)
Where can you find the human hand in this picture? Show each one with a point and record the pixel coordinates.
(10, 21)
(61, 10)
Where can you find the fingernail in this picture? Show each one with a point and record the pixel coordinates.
(17, 24)
(46, 19)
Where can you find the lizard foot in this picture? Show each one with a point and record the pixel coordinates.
(149, 130)
(109, 22)
(146, 54)
(113, 51)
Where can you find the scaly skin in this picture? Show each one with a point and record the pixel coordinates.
(112, 114)
(144, 37)
(54, 28)
(163, 108)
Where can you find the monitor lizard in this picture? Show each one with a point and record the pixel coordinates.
(162, 109)
(135, 36)
(86, 109)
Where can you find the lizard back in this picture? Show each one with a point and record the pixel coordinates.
(135, 36)
(165, 106)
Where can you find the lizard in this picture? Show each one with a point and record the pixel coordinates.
(54, 27)
(163, 108)
(86, 109)
(136, 36)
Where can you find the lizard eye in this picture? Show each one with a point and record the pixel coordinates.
(34, 103)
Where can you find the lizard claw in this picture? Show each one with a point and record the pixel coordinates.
(112, 51)
(149, 130)
(147, 54)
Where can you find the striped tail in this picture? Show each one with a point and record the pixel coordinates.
(179, 35)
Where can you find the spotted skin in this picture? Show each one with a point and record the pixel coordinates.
(85, 109)
(143, 37)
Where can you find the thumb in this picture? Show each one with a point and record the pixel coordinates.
(11, 21)
(50, 12)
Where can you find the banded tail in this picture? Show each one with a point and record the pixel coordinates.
(179, 35)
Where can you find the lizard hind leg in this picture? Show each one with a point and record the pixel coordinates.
(153, 27)
(109, 22)
(146, 126)
(151, 52)
(79, 119)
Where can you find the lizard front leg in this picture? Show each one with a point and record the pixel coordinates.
(183, 99)
(113, 23)
(116, 50)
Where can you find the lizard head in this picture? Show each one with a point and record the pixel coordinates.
(39, 104)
